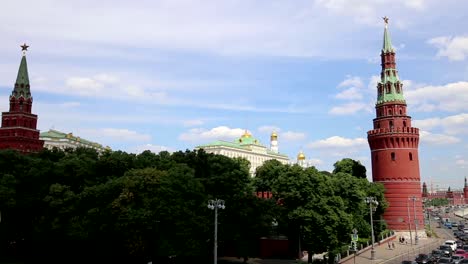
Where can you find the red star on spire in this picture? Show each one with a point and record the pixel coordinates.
(24, 47)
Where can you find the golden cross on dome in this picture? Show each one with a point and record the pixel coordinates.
(24, 47)
(385, 19)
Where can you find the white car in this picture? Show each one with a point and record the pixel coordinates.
(452, 244)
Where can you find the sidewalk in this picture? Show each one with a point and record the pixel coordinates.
(395, 256)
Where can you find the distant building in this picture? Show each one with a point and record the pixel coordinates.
(455, 197)
(302, 161)
(18, 129)
(249, 148)
(54, 138)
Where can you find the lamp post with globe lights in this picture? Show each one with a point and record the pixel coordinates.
(215, 205)
(373, 203)
(416, 238)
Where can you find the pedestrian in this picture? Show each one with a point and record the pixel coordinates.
(393, 245)
(389, 246)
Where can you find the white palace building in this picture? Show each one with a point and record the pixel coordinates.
(249, 148)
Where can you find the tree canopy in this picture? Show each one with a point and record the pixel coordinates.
(140, 207)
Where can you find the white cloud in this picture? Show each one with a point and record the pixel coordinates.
(456, 124)
(114, 134)
(337, 142)
(291, 136)
(69, 104)
(83, 86)
(349, 109)
(353, 81)
(153, 148)
(454, 48)
(450, 97)
(217, 133)
(352, 93)
(363, 11)
(436, 139)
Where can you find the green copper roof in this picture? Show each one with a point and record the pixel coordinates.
(22, 81)
(243, 143)
(390, 87)
(57, 135)
(387, 42)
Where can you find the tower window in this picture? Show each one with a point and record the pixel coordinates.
(401, 112)
(391, 125)
(410, 156)
(393, 156)
(404, 123)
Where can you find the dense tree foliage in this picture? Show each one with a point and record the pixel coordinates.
(320, 209)
(135, 208)
(350, 166)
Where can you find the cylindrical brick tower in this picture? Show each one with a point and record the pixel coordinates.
(394, 148)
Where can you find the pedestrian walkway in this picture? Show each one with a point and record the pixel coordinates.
(384, 254)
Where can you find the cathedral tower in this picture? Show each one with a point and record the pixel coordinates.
(274, 142)
(394, 147)
(18, 129)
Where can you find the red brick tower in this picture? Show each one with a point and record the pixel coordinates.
(18, 129)
(394, 147)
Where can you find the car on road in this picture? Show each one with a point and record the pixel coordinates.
(444, 260)
(408, 262)
(457, 258)
(463, 261)
(447, 250)
(436, 254)
(423, 259)
(452, 244)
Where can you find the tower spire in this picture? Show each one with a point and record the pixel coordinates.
(387, 42)
(389, 89)
(22, 80)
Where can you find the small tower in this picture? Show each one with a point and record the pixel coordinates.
(394, 146)
(274, 142)
(18, 130)
(301, 159)
(424, 190)
(465, 192)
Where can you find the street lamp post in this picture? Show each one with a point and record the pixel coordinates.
(372, 201)
(215, 205)
(416, 238)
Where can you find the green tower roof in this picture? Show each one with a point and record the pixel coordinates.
(22, 80)
(389, 81)
(23, 77)
(387, 42)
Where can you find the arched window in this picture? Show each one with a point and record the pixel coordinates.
(404, 123)
(410, 156)
(393, 156)
(401, 112)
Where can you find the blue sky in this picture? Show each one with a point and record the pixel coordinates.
(173, 74)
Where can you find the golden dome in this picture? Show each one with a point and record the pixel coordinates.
(301, 156)
(246, 134)
(274, 135)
